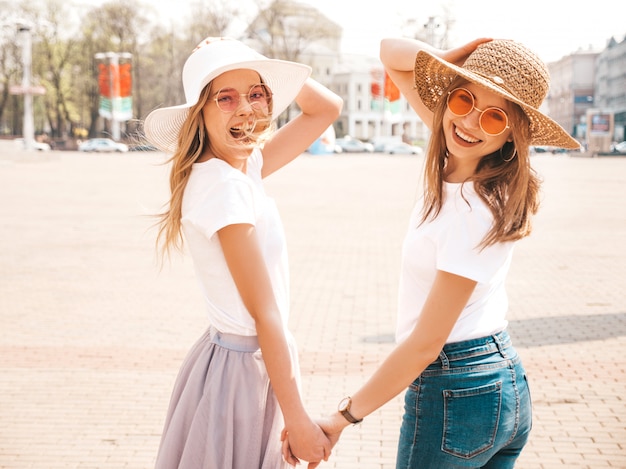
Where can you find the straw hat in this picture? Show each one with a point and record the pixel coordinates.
(506, 68)
(212, 57)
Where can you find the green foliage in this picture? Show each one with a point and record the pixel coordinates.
(66, 37)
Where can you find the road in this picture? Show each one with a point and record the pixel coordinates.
(94, 332)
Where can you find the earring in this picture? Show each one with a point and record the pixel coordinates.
(510, 158)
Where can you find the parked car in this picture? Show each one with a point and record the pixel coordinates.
(39, 146)
(619, 147)
(352, 145)
(547, 149)
(402, 148)
(143, 147)
(380, 143)
(105, 145)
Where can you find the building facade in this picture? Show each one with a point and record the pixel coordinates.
(571, 91)
(590, 83)
(367, 113)
(610, 85)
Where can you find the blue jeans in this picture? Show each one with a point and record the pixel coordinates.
(470, 408)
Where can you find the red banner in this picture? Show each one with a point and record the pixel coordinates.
(117, 77)
(115, 86)
(126, 80)
(383, 84)
(392, 93)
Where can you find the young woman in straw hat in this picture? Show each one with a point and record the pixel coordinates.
(467, 402)
(238, 387)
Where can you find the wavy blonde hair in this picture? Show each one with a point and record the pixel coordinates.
(509, 188)
(192, 143)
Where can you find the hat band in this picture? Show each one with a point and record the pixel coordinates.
(500, 83)
(496, 80)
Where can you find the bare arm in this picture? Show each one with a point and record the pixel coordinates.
(246, 264)
(398, 57)
(405, 363)
(320, 107)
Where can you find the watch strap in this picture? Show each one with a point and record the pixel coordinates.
(345, 411)
(349, 417)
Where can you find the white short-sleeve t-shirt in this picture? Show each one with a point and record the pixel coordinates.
(218, 195)
(450, 243)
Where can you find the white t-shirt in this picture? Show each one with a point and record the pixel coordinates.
(450, 243)
(218, 195)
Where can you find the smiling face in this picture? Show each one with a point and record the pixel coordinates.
(232, 127)
(466, 141)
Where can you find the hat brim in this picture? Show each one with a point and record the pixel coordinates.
(284, 78)
(434, 75)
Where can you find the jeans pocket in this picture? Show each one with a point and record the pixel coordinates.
(471, 419)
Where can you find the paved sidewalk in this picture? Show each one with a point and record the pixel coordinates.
(93, 333)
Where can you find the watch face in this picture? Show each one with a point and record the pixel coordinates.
(344, 404)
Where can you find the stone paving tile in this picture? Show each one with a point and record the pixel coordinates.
(94, 332)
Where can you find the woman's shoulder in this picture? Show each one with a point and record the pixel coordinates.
(214, 171)
(213, 177)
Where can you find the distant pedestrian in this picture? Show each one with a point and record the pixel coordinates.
(238, 387)
(467, 404)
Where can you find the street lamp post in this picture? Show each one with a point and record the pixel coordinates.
(29, 125)
(26, 88)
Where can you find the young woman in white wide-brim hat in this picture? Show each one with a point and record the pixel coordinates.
(238, 387)
(467, 399)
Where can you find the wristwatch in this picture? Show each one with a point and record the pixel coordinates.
(344, 409)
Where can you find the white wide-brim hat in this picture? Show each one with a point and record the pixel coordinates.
(212, 57)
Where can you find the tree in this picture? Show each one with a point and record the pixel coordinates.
(10, 56)
(113, 27)
(286, 29)
(66, 40)
(54, 56)
(163, 56)
(157, 72)
(216, 18)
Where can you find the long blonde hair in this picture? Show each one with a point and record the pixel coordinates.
(192, 142)
(504, 179)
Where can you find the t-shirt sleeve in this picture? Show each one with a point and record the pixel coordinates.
(229, 202)
(459, 253)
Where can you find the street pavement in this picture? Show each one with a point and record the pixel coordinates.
(93, 330)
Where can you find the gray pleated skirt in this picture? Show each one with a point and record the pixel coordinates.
(223, 413)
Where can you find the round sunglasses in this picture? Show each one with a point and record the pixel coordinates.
(492, 120)
(229, 99)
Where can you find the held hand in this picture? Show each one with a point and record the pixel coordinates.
(333, 425)
(290, 457)
(458, 55)
(287, 453)
(305, 441)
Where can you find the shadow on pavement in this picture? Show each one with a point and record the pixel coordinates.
(555, 330)
(567, 329)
